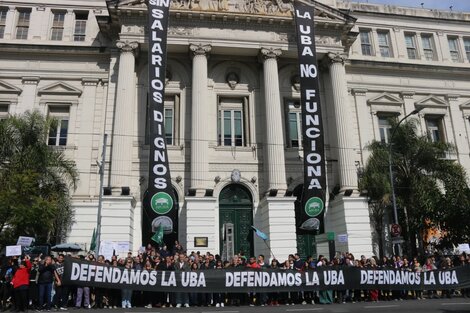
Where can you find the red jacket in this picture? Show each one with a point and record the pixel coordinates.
(21, 277)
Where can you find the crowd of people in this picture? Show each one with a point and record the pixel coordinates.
(37, 283)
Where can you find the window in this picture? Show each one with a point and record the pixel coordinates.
(384, 44)
(169, 117)
(231, 122)
(365, 42)
(60, 127)
(434, 128)
(294, 123)
(428, 47)
(57, 30)
(3, 20)
(410, 40)
(170, 120)
(466, 43)
(454, 49)
(22, 26)
(3, 111)
(385, 127)
(80, 26)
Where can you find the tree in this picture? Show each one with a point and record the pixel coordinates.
(428, 186)
(35, 181)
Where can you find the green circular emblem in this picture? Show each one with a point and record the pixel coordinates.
(314, 206)
(161, 203)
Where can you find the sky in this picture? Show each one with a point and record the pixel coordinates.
(457, 5)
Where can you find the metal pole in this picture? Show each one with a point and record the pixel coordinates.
(392, 184)
(100, 199)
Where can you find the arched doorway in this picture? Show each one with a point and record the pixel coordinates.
(305, 239)
(236, 207)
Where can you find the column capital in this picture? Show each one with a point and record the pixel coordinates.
(199, 49)
(452, 97)
(359, 91)
(407, 94)
(88, 81)
(128, 46)
(269, 53)
(337, 57)
(30, 80)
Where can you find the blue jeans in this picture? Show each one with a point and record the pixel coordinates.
(45, 290)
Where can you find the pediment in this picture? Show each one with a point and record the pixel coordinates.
(465, 105)
(431, 101)
(59, 88)
(257, 7)
(385, 99)
(6, 88)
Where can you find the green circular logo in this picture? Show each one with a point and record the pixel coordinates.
(161, 203)
(314, 206)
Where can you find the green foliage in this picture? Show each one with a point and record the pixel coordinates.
(428, 186)
(35, 180)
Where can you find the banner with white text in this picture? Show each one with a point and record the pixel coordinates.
(311, 215)
(159, 200)
(85, 273)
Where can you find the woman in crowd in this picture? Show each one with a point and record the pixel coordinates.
(274, 296)
(373, 293)
(126, 294)
(20, 284)
(219, 298)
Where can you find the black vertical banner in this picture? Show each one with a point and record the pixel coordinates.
(313, 196)
(159, 208)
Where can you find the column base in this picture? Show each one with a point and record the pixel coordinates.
(276, 218)
(117, 221)
(199, 192)
(350, 215)
(202, 220)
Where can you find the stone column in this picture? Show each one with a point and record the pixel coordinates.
(344, 127)
(121, 155)
(28, 96)
(9, 23)
(85, 139)
(274, 148)
(199, 140)
(366, 130)
(68, 26)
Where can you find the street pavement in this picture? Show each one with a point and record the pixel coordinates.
(454, 305)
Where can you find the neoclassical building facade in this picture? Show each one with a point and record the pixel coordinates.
(232, 115)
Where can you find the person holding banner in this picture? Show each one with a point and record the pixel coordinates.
(126, 294)
(219, 298)
(182, 265)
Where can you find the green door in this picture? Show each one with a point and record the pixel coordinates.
(236, 207)
(306, 244)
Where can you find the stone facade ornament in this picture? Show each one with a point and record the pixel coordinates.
(295, 81)
(232, 79)
(236, 176)
(128, 46)
(168, 76)
(263, 7)
(270, 53)
(336, 57)
(200, 49)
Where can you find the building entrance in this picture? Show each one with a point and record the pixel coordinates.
(306, 245)
(236, 208)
